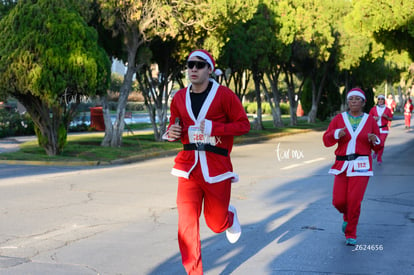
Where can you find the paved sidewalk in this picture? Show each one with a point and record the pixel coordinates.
(10, 144)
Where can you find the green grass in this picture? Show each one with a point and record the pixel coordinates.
(86, 146)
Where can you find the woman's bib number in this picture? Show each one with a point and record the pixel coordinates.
(361, 164)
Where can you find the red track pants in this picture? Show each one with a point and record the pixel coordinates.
(348, 193)
(190, 195)
(407, 120)
(380, 152)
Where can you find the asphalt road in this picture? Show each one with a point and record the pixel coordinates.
(123, 219)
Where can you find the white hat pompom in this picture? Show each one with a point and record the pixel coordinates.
(218, 72)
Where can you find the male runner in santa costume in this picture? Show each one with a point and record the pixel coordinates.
(356, 134)
(205, 116)
(383, 116)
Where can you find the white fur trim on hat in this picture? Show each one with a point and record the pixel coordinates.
(218, 72)
(203, 56)
(381, 96)
(355, 93)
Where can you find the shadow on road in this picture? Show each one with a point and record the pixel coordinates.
(285, 229)
(302, 232)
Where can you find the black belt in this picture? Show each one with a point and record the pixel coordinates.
(382, 126)
(349, 157)
(206, 147)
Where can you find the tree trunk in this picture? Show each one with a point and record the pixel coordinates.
(161, 105)
(163, 110)
(258, 123)
(113, 135)
(400, 104)
(292, 112)
(240, 80)
(344, 103)
(312, 113)
(119, 124)
(292, 97)
(317, 93)
(274, 107)
(108, 123)
(51, 123)
(156, 93)
(276, 112)
(314, 109)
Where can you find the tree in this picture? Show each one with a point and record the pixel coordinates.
(388, 22)
(399, 75)
(6, 6)
(314, 47)
(136, 23)
(250, 45)
(49, 61)
(278, 52)
(156, 80)
(368, 54)
(227, 40)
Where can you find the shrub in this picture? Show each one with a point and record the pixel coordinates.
(135, 106)
(14, 124)
(251, 108)
(266, 108)
(284, 108)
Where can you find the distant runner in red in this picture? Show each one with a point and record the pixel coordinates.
(408, 109)
(383, 117)
(392, 105)
(356, 134)
(205, 116)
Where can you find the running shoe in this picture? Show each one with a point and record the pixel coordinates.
(350, 241)
(233, 233)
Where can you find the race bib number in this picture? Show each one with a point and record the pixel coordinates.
(361, 164)
(196, 136)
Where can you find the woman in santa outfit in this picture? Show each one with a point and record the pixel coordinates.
(205, 116)
(408, 109)
(383, 116)
(356, 134)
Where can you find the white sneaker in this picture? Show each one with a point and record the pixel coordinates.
(233, 233)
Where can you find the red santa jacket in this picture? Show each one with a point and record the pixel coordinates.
(391, 104)
(354, 142)
(408, 108)
(224, 118)
(382, 122)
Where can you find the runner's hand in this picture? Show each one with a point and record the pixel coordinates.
(175, 131)
(372, 138)
(202, 126)
(342, 132)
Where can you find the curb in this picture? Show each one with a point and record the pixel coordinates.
(50, 163)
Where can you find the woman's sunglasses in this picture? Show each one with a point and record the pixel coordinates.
(199, 64)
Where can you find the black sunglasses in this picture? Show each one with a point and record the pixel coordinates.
(199, 64)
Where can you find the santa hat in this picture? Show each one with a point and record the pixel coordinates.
(356, 92)
(205, 55)
(381, 96)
